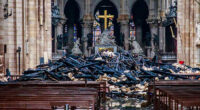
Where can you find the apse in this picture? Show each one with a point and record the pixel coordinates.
(112, 24)
(140, 13)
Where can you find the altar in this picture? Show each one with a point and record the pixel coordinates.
(107, 40)
(101, 48)
(106, 43)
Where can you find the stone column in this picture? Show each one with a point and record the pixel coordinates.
(1, 32)
(1, 21)
(70, 37)
(32, 29)
(87, 7)
(87, 28)
(162, 32)
(124, 7)
(124, 22)
(152, 9)
(126, 31)
(162, 38)
(139, 35)
(186, 31)
(61, 5)
(58, 32)
(153, 13)
(154, 31)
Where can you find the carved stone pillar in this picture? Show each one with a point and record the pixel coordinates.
(124, 22)
(154, 32)
(124, 7)
(58, 32)
(1, 21)
(87, 28)
(153, 13)
(1, 11)
(162, 43)
(70, 37)
(139, 35)
(87, 7)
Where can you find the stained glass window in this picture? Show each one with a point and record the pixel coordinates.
(75, 30)
(132, 30)
(111, 27)
(62, 42)
(65, 28)
(96, 32)
(75, 33)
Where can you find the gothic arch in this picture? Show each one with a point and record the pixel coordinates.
(96, 2)
(71, 6)
(132, 3)
(72, 27)
(111, 7)
(80, 4)
(139, 13)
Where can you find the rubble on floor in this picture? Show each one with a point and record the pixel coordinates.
(3, 78)
(124, 73)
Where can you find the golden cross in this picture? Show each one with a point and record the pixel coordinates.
(105, 17)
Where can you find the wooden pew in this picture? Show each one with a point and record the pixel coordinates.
(175, 95)
(45, 95)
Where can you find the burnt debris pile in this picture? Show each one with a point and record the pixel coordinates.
(123, 72)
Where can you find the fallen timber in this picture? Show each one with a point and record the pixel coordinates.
(48, 95)
(175, 95)
(124, 74)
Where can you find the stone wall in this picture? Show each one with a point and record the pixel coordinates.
(1, 19)
(188, 17)
(29, 28)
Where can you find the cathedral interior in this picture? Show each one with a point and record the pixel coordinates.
(149, 23)
(110, 54)
(132, 20)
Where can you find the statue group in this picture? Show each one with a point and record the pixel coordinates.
(106, 38)
(106, 42)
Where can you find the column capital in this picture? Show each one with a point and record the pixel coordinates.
(124, 7)
(84, 39)
(62, 21)
(87, 24)
(123, 18)
(88, 17)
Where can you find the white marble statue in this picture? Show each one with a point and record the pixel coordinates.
(76, 50)
(136, 47)
(106, 38)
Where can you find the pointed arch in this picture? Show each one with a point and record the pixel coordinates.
(72, 28)
(72, 11)
(116, 3)
(112, 10)
(140, 13)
